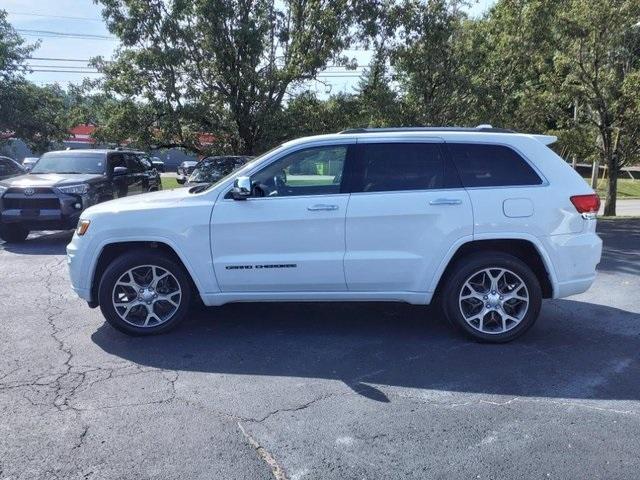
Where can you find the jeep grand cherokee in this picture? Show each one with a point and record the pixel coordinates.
(483, 221)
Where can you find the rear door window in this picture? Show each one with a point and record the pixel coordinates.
(387, 167)
(133, 164)
(483, 165)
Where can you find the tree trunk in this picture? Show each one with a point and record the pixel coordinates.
(612, 188)
(611, 159)
(594, 173)
(247, 136)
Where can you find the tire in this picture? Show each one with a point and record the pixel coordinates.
(13, 233)
(133, 278)
(476, 297)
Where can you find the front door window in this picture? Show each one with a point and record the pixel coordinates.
(313, 171)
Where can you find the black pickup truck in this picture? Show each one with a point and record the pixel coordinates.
(62, 184)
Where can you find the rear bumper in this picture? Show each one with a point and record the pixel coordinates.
(574, 259)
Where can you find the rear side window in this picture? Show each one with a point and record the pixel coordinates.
(133, 164)
(385, 167)
(491, 166)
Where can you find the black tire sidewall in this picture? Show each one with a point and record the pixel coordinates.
(127, 261)
(13, 233)
(465, 267)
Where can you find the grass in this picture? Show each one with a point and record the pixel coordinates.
(627, 188)
(169, 182)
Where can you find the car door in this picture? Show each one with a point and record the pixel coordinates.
(407, 209)
(289, 235)
(136, 176)
(120, 182)
(152, 177)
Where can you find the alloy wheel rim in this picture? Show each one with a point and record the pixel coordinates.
(493, 300)
(146, 296)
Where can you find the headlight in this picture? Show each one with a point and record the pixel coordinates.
(79, 189)
(83, 226)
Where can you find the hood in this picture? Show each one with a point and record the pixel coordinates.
(51, 179)
(145, 201)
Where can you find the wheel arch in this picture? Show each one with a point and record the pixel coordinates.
(110, 251)
(524, 249)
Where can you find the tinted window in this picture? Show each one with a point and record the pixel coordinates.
(146, 163)
(133, 164)
(116, 160)
(69, 162)
(7, 167)
(491, 166)
(314, 171)
(212, 169)
(383, 167)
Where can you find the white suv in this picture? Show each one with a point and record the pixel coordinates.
(485, 221)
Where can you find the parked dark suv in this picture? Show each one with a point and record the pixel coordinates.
(62, 184)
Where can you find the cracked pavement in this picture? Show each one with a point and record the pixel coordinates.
(316, 391)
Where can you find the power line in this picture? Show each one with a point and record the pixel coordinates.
(59, 59)
(51, 33)
(65, 71)
(55, 16)
(73, 67)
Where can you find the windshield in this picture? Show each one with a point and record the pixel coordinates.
(71, 163)
(212, 170)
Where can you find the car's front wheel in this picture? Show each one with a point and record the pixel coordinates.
(492, 296)
(13, 233)
(144, 293)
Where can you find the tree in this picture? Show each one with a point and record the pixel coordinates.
(34, 114)
(13, 51)
(509, 62)
(598, 61)
(225, 65)
(429, 66)
(379, 102)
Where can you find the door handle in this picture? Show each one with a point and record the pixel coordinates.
(319, 207)
(445, 201)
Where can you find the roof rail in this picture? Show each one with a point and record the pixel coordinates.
(479, 128)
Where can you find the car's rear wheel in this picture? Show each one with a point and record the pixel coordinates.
(13, 233)
(144, 293)
(492, 296)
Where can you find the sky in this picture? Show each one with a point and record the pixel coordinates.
(36, 19)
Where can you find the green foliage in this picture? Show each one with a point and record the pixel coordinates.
(27, 111)
(13, 51)
(222, 65)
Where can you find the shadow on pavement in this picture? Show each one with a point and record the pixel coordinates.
(41, 243)
(568, 354)
(622, 241)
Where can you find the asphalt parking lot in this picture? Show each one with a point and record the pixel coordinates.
(317, 391)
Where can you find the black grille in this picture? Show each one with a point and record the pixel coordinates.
(31, 203)
(36, 191)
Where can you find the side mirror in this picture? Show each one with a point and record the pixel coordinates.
(241, 188)
(119, 171)
(181, 180)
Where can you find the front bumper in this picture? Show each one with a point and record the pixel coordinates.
(75, 263)
(48, 211)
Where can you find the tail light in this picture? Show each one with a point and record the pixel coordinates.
(586, 203)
